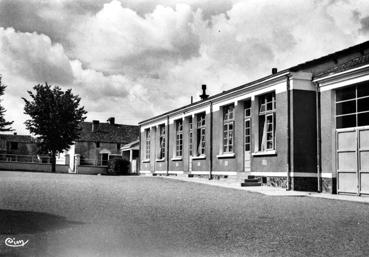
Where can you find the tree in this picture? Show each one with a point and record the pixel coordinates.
(4, 125)
(55, 118)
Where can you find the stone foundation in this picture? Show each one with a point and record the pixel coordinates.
(329, 185)
(297, 183)
(276, 181)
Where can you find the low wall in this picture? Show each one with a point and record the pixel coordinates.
(91, 170)
(40, 167)
(46, 167)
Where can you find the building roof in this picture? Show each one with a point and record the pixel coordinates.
(17, 138)
(357, 61)
(108, 133)
(133, 145)
(334, 56)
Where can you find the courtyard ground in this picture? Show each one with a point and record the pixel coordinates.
(77, 215)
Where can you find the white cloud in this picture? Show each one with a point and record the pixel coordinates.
(41, 60)
(117, 39)
(137, 58)
(34, 57)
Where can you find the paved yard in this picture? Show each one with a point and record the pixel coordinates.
(71, 215)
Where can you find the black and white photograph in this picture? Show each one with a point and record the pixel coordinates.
(192, 128)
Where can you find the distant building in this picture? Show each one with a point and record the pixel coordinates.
(100, 141)
(13, 146)
(131, 153)
(302, 128)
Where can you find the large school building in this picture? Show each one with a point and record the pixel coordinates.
(303, 128)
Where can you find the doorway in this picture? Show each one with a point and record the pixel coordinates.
(247, 136)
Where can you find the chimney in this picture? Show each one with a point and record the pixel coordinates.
(204, 96)
(191, 99)
(274, 70)
(111, 120)
(95, 125)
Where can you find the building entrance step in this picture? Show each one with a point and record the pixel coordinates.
(251, 181)
(250, 184)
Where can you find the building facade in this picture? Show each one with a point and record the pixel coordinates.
(99, 141)
(17, 147)
(303, 128)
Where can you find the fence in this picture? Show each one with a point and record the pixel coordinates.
(42, 163)
(24, 158)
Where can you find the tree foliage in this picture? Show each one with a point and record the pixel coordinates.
(4, 125)
(55, 118)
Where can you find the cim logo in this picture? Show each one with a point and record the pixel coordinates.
(12, 242)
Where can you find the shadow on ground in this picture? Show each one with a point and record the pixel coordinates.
(29, 222)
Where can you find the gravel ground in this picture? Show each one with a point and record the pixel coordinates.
(77, 215)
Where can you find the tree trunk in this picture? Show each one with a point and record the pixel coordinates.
(53, 161)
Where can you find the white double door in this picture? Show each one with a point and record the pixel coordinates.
(352, 160)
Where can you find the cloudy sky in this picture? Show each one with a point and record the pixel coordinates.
(133, 59)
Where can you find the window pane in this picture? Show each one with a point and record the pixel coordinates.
(262, 108)
(346, 121)
(269, 145)
(345, 93)
(248, 112)
(269, 106)
(363, 104)
(346, 107)
(363, 119)
(269, 97)
(363, 90)
(269, 136)
(247, 147)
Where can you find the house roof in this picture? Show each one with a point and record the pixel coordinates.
(17, 138)
(108, 133)
(302, 66)
(133, 145)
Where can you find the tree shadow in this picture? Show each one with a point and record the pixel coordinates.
(29, 222)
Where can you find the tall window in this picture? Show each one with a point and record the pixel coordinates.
(190, 137)
(267, 107)
(228, 128)
(352, 106)
(201, 133)
(147, 144)
(179, 137)
(162, 141)
(247, 128)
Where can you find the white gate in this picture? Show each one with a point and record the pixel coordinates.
(353, 160)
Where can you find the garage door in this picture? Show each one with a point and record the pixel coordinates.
(363, 148)
(352, 140)
(353, 161)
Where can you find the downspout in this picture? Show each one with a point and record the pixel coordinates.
(288, 134)
(318, 139)
(154, 136)
(211, 141)
(139, 150)
(167, 145)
